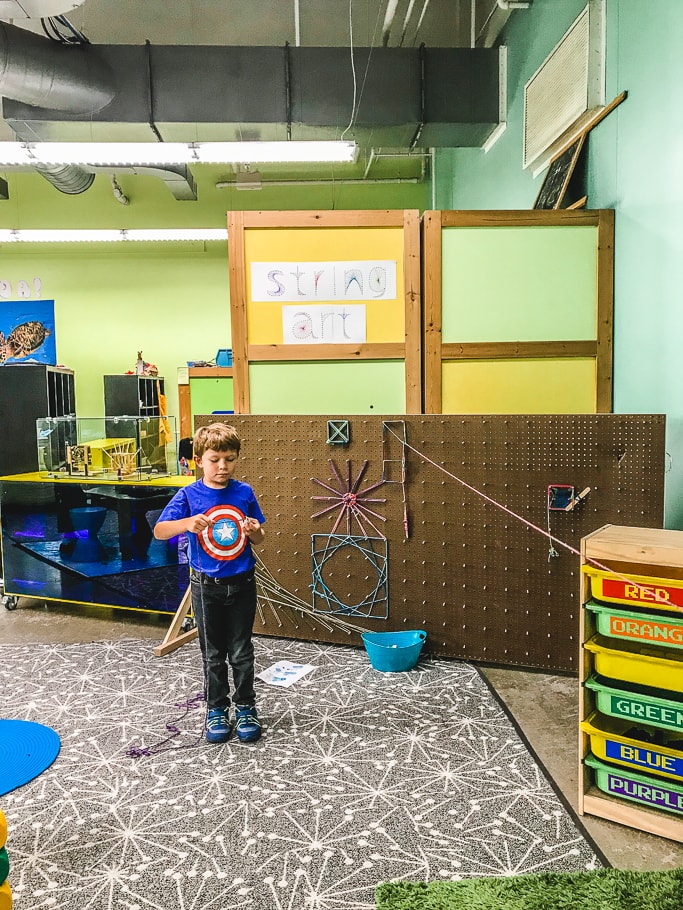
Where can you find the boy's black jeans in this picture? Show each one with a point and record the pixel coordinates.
(225, 619)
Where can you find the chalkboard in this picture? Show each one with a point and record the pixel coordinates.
(558, 175)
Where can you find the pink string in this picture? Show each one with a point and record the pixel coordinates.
(542, 531)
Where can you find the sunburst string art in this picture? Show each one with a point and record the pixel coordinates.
(351, 502)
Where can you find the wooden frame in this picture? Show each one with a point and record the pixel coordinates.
(558, 175)
(245, 353)
(175, 636)
(436, 351)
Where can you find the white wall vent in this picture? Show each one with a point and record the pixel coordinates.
(566, 89)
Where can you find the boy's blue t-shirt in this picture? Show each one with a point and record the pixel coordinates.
(223, 548)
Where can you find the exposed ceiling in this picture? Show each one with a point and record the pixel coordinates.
(170, 32)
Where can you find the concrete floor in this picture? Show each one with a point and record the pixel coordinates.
(544, 705)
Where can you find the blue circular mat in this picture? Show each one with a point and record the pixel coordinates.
(26, 750)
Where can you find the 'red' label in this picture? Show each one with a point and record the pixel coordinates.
(653, 595)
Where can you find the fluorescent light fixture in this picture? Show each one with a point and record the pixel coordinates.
(112, 236)
(17, 154)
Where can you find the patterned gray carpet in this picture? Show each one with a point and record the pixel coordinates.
(360, 777)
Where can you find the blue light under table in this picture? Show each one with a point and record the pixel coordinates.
(48, 552)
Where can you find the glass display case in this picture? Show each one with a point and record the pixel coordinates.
(91, 541)
(113, 448)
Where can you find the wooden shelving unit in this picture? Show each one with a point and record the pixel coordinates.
(639, 555)
(185, 408)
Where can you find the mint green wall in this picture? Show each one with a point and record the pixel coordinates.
(109, 305)
(351, 387)
(542, 289)
(634, 166)
(170, 300)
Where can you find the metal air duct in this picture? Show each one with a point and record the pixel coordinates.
(36, 71)
(67, 178)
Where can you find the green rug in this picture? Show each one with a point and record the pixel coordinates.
(604, 889)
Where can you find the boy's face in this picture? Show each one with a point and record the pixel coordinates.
(218, 467)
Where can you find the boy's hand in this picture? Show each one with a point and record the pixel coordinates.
(198, 523)
(253, 530)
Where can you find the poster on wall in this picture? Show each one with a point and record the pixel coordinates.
(27, 332)
(323, 324)
(301, 282)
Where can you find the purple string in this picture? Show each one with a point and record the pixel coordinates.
(172, 727)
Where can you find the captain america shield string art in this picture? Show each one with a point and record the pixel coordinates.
(224, 539)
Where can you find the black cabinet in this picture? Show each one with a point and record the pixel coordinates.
(29, 391)
(132, 411)
(132, 395)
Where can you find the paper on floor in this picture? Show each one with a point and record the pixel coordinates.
(284, 673)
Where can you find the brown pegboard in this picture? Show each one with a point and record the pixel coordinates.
(476, 578)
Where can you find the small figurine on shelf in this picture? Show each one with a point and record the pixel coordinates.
(142, 368)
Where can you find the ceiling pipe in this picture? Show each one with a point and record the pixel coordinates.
(389, 17)
(514, 4)
(37, 71)
(350, 181)
(67, 178)
(72, 79)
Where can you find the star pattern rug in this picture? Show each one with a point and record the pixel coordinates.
(360, 777)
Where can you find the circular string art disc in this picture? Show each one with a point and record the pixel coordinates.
(26, 750)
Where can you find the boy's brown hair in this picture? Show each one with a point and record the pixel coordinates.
(221, 437)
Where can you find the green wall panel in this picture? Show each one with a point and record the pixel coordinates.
(336, 387)
(519, 283)
(208, 395)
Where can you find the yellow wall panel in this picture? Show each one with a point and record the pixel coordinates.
(385, 319)
(564, 386)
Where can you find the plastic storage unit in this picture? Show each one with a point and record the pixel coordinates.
(631, 668)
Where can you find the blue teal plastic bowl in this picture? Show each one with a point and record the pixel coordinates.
(394, 652)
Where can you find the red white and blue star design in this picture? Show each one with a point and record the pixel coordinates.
(225, 538)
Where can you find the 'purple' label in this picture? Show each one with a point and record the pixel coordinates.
(651, 794)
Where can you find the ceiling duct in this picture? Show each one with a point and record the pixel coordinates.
(41, 72)
(67, 178)
(453, 92)
(38, 71)
(72, 80)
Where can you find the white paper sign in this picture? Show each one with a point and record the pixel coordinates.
(323, 324)
(284, 673)
(320, 282)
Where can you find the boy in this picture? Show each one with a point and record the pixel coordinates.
(222, 519)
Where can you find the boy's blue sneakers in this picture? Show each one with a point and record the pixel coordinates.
(217, 725)
(248, 725)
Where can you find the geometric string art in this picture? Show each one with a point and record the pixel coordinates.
(351, 502)
(345, 562)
